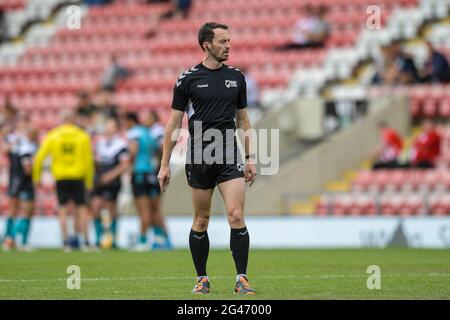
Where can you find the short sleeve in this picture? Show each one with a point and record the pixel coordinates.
(123, 155)
(133, 134)
(26, 159)
(158, 133)
(180, 94)
(27, 149)
(242, 96)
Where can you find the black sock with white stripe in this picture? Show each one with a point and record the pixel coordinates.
(199, 245)
(239, 245)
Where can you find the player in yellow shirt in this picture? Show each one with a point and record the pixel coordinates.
(72, 166)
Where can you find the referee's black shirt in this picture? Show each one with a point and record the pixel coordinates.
(210, 96)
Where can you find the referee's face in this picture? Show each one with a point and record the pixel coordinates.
(220, 47)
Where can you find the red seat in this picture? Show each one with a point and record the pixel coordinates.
(429, 107)
(444, 107)
(439, 205)
(391, 204)
(322, 207)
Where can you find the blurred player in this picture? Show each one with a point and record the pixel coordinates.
(20, 146)
(161, 236)
(72, 167)
(142, 147)
(213, 95)
(111, 159)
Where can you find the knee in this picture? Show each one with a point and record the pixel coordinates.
(201, 222)
(235, 217)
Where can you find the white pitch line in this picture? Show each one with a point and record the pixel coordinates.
(306, 276)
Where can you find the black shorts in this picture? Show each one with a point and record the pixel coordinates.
(145, 184)
(21, 188)
(207, 176)
(109, 193)
(68, 190)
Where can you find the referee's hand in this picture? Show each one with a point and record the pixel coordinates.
(164, 178)
(250, 173)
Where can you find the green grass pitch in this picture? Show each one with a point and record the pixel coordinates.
(275, 274)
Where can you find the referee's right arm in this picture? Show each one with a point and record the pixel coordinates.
(170, 139)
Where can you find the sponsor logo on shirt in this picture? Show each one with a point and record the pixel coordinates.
(230, 84)
(202, 86)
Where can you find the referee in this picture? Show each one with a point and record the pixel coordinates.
(213, 95)
(72, 167)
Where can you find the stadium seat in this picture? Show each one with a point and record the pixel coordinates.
(121, 27)
(322, 207)
(444, 108)
(429, 108)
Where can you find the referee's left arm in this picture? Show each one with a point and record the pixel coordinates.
(243, 123)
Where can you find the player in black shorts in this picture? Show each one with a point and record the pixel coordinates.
(145, 186)
(213, 95)
(111, 160)
(72, 166)
(21, 146)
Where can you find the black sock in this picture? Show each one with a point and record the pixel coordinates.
(199, 245)
(239, 245)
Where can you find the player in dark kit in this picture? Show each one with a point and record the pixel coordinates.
(21, 146)
(213, 95)
(111, 160)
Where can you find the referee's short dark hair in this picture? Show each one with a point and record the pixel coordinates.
(206, 32)
(132, 116)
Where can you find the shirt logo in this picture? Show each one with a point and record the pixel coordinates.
(202, 86)
(240, 167)
(230, 84)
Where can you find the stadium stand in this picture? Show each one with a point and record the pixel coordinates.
(51, 64)
(402, 191)
(396, 191)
